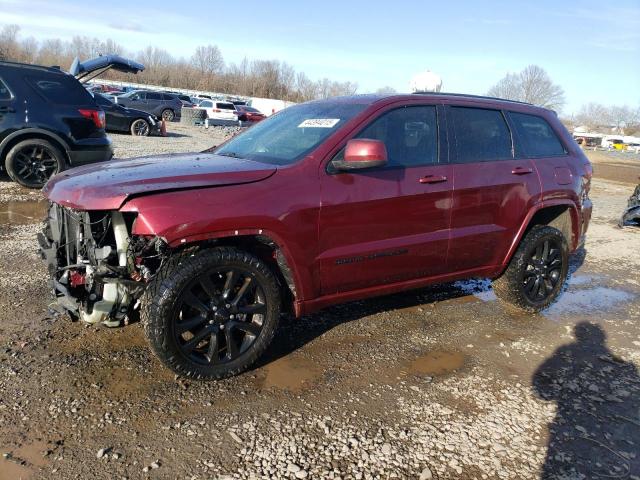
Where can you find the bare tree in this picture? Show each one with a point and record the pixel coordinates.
(532, 85)
(208, 60)
(623, 118)
(204, 70)
(9, 48)
(593, 116)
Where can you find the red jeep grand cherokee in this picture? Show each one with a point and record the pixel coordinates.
(325, 202)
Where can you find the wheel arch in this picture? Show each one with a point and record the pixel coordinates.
(264, 245)
(30, 133)
(560, 214)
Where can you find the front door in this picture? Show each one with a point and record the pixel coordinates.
(388, 224)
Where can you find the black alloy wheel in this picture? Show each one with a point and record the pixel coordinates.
(32, 162)
(219, 316)
(543, 270)
(536, 273)
(209, 313)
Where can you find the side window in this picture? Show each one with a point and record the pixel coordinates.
(410, 135)
(61, 90)
(537, 135)
(5, 94)
(481, 135)
(154, 96)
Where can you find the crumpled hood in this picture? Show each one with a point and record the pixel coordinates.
(107, 185)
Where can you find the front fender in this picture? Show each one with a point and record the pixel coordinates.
(189, 217)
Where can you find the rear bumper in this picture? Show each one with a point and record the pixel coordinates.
(86, 156)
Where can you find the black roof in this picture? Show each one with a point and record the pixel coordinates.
(7, 63)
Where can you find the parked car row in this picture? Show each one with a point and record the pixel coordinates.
(228, 112)
(49, 122)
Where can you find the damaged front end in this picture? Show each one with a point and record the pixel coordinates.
(631, 215)
(98, 270)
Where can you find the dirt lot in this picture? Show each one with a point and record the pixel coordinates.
(436, 383)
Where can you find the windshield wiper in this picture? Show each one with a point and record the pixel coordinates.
(230, 154)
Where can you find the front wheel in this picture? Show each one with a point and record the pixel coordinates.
(168, 115)
(537, 272)
(210, 314)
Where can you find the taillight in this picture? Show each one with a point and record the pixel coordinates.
(97, 116)
(217, 110)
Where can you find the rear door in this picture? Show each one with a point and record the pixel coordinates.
(8, 111)
(388, 224)
(494, 187)
(155, 103)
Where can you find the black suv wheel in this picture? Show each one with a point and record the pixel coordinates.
(537, 272)
(210, 314)
(32, 162)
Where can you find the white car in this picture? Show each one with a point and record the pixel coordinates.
(217, 110)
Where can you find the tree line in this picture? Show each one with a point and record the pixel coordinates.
(205, 70)
(533, 85)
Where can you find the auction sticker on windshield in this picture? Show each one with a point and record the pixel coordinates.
(319, 123)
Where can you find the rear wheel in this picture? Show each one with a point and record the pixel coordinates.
(32, 162)
(168, 115)
(537, 272)
(210, 314)
(140, 128)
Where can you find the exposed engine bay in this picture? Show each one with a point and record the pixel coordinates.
(98, 270)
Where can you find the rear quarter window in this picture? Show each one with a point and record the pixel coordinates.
(61, 90)
(481, 135)
(5, 94)
(538, 138)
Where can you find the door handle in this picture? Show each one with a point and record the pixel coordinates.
(7, 110)
(522, 171)
(433, 179)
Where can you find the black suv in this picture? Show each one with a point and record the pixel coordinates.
(164, 105)
(49, 122)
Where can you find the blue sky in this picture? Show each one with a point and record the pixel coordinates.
(592, 49)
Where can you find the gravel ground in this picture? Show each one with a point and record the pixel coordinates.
(439, 383)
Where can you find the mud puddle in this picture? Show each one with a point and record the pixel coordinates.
(292, 374)
(20, 213)
(22, 463)
(436, 363)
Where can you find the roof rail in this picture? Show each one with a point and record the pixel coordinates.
(484, 97)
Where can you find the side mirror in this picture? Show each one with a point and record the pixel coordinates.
(362, 153)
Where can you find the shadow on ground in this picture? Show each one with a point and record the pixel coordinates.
(596, 431)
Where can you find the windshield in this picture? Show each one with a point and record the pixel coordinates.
(284, 138)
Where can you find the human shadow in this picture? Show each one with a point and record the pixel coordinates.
(596, 430)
